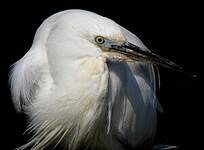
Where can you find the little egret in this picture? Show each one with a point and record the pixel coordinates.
(87, 83)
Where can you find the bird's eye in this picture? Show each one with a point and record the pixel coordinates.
(99, 39)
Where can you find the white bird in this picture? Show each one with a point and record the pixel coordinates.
(87, 82)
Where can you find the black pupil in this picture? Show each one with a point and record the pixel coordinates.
(100, 40)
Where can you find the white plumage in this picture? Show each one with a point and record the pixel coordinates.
(76, 95)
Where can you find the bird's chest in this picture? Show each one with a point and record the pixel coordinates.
(92, 77)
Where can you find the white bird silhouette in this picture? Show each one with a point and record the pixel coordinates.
(87, 82)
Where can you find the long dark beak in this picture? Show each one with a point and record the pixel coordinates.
(136, 53)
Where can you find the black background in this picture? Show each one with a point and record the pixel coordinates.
(170, 28)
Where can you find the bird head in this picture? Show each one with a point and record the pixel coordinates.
(82, 33)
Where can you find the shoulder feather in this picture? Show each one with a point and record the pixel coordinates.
(24, 76)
